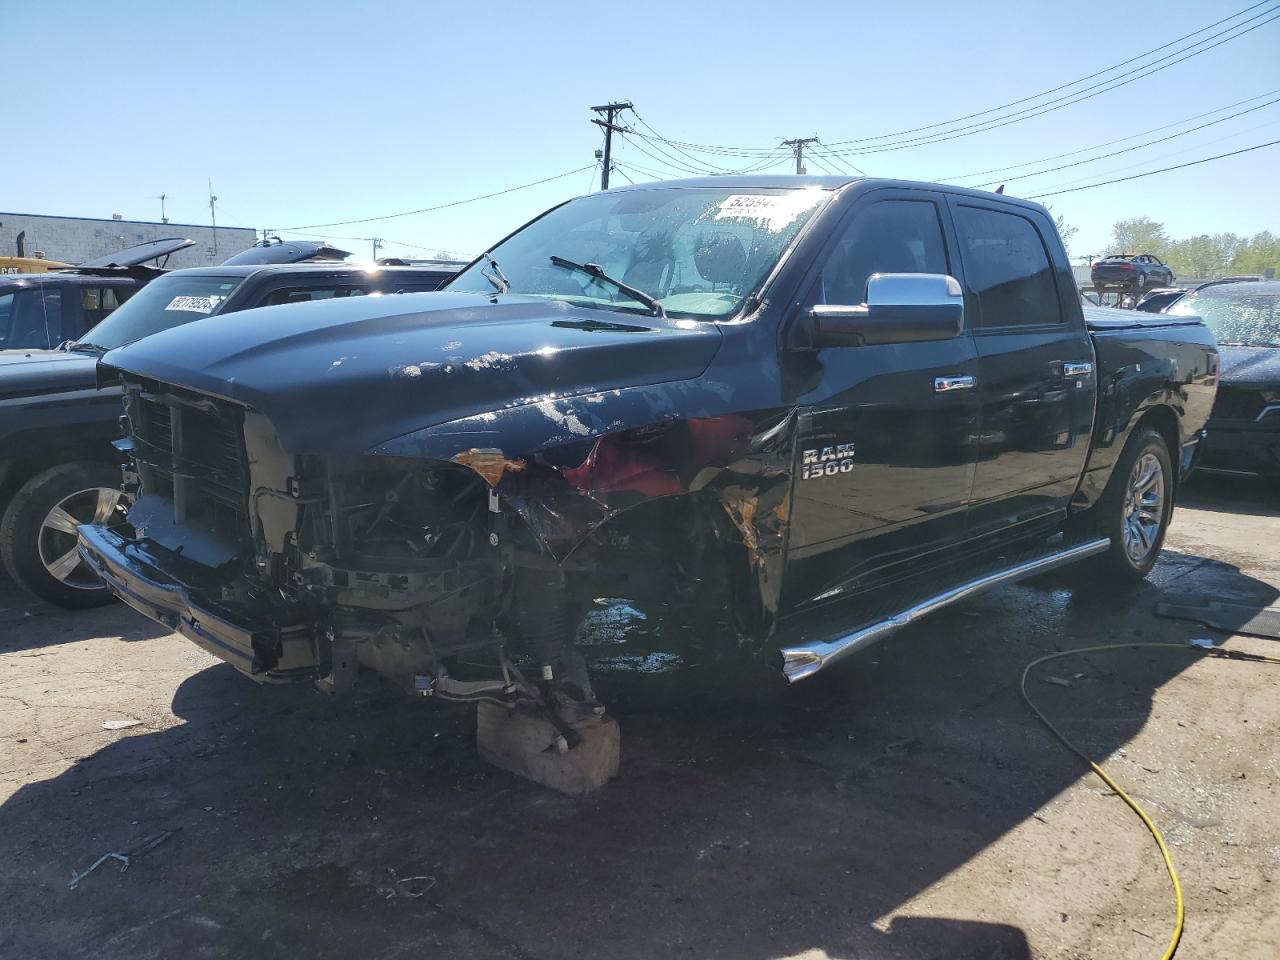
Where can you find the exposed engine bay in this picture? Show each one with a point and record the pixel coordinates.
(465, 579)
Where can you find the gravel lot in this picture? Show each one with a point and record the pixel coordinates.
(907, 806)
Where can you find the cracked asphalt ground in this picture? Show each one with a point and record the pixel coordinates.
(906, 806)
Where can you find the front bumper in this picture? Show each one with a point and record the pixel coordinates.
(1241, 451)
(263, 653)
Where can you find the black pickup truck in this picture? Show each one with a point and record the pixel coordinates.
(827, 406)
(57, 464)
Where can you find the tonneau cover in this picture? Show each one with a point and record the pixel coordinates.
(1109, 318)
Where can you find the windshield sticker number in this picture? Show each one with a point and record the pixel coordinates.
(772, 212)
(195, 304)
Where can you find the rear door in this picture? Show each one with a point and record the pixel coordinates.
(1036, 380)
(884, 456)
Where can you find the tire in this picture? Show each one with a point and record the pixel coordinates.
(1135, 544)
(36, 544)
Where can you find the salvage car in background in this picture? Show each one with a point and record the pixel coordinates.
(1244, 430)
(826, 406)
(38, 311)
(1131, 272)
(1159, 299)
(57, 465)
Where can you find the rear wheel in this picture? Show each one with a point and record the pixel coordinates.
(38, 532)
(1134, 511)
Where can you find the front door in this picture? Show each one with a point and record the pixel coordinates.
(884, 459)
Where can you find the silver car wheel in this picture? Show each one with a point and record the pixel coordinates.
(1143, 508)
(56, 543)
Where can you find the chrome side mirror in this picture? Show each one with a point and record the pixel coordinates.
(900, 308)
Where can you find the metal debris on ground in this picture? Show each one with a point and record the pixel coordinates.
(150, 843)
(119, 724)
(1058, 681)
(411, 887)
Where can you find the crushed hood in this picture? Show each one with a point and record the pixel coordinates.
(341, 376)
(1250, 365)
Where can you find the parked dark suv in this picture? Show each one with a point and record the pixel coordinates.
(57, 464)
(1131, 271)
(38, 311)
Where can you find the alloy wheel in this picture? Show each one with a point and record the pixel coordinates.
(56, 543)
(1143, 507)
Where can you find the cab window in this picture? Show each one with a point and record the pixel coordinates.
(97, 303)
(891, 236)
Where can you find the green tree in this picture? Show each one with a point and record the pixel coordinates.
(1257, 254)
(1204, 257)
(1139, 235)
(1065, 230)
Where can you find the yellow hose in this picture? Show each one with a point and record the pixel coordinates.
(1132, 804)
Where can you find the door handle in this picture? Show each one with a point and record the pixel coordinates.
(1077, 369)
(947, 384)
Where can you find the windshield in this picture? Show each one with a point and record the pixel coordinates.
(698, 251)
(1252, 320)
(165, 302)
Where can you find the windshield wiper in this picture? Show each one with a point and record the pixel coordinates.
(81, 347)
(597, 271)
(499, 281)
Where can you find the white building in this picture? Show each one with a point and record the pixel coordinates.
(74, 239)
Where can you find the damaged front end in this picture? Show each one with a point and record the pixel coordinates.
(296, 567)
(428, 570)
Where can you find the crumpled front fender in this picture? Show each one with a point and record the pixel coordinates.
(569, 466)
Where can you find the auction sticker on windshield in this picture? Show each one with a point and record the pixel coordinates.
(195, 304)
(771, 211)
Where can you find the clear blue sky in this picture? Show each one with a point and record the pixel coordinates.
(326, 111)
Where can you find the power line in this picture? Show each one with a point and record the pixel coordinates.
(1148, 69)
(441, 206)
(1218, 141)
(1136, 146)
(1149, 173)
(1072, 83)
(713, 167)
(667, 160)
(1059, 104)
(1108, 143)
(840, 164)
(655, 174)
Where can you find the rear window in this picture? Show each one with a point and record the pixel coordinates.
(162, 304)
(1007, 267)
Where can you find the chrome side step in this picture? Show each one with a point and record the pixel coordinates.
(807, 659)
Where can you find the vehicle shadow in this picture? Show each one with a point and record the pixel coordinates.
(750, 820)
(27, 623)
(1221, 493)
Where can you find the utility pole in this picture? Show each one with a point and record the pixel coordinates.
(162, 198)
(610, 110)
(213, 217)
(377, 245)
(797, 147)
